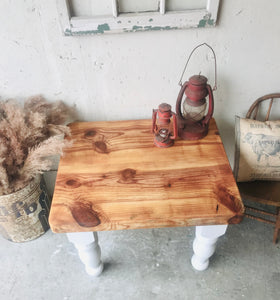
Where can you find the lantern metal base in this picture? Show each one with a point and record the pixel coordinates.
(158, 141)
(193, 132)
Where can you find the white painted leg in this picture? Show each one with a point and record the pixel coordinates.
(204, 244)
(89, 251)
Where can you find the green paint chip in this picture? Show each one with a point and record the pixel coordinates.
(67, 32)
(204, 22)
(100, 29)
(149, 28)
(136, 28)
(103, 27)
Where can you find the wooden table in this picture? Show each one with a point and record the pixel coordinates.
(113, 177)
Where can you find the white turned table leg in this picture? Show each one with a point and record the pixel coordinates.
(89, 251)
(204, 244)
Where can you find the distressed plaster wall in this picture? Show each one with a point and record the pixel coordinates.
(124, 76)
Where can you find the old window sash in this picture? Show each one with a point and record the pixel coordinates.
(133, 22)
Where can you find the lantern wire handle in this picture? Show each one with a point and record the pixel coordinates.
(204, 44)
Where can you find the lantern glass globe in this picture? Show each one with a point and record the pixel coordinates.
(194, 113)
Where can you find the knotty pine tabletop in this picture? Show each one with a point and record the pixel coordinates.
(113, 177)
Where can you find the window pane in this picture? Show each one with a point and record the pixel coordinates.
(127, 6)
(173, 5)
(91, 7)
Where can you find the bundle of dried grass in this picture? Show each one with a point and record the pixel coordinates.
(29, 135)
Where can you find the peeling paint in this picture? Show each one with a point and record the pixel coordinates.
(101, 28)
(149, 28)
(136, 28)
(202, 23)
(67, 32)
(206, 21)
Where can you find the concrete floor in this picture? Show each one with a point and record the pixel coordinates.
(144, 264)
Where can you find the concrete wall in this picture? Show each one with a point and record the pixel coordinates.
(124, 76)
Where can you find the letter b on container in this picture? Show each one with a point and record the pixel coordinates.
(24, 214)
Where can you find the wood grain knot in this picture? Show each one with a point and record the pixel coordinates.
(90, 133)
(127, 175)
(73, 183)
(168, 185)
(217, 132)
(226, 198)
(84, 215)
(100, 147)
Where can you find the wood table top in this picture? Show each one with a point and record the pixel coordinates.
(113, 177)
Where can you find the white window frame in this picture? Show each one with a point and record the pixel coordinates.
(133, 22)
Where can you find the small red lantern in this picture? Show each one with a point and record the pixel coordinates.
(192, 122)
(164, 131)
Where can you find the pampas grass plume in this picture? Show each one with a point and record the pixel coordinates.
(29, 136)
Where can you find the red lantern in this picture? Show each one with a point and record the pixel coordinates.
(193, 121)
(164, 131)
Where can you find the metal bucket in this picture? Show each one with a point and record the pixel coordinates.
(24, 214)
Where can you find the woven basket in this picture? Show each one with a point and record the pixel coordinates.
(24, 214)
